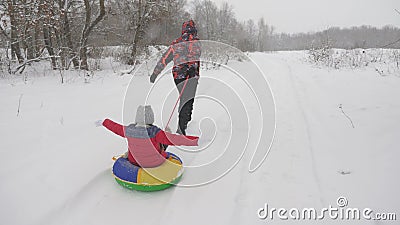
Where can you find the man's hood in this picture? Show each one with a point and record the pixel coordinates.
(189, 27)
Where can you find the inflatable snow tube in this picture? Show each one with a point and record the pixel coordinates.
(148, 179)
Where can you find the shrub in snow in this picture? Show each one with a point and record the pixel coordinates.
(385, 61)
(215, 54)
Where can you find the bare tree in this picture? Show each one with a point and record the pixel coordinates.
(87, 29)
(46, 9)
(68, 52)
(145, 12)
(13, 11)
(226, 23)
(4, 22)
(205, 13)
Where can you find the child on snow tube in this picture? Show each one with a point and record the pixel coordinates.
(145, 140)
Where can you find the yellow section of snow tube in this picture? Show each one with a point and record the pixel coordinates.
(148, 179)
(165, 173)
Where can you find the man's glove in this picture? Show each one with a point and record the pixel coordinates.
(153, 78)
(168, 129)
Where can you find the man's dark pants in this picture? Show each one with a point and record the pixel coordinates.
(186, 101)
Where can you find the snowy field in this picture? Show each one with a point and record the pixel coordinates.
(337, 134)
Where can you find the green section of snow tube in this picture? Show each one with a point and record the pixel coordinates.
(147, 188)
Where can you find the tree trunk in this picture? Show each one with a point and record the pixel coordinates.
(135, 45)
(15, 48)
(83, 58)
(87, 30)
(66, 37)
(71, 49)
(4, 33)
(37, 42)
(49, 46)
(30, 49)
(138, 34)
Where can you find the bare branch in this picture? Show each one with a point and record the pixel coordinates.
(392, 43)
(19, 104)
(351, 121)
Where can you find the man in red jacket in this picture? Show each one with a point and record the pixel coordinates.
(185, 52)
(145, 139)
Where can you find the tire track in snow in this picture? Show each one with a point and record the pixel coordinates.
(67, 210)
(295, 85)
(290, 111)
(97, 200)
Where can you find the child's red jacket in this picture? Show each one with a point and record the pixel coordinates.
(144, 142)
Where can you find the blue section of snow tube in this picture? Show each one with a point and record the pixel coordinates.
(169, 154)
(125, 170)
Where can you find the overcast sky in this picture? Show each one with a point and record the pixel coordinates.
(293, 16)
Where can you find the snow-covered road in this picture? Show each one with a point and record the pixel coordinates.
(55, 164)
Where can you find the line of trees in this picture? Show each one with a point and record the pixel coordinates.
(335, 37)
(219, 23)
(64, 31)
